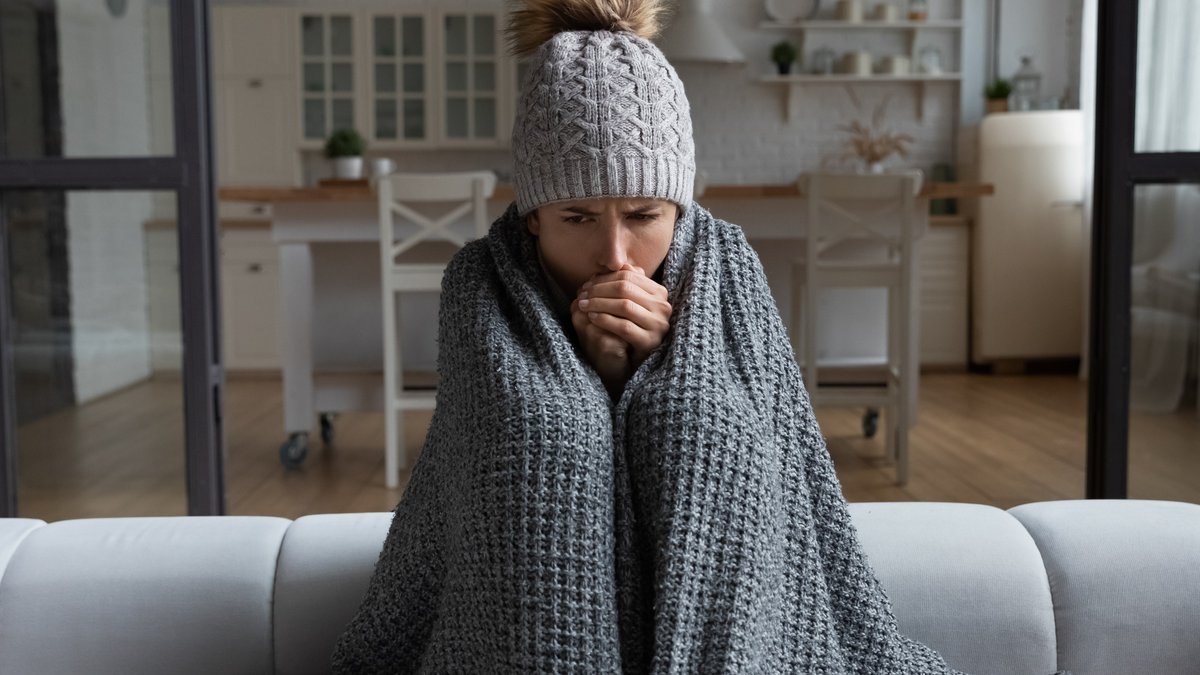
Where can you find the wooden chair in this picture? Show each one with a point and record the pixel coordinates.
(467, 194)
(876, 217)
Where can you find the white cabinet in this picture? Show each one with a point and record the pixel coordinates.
(252, 39)
(944, 293)
(254, 91)
(255, 143)
(329, 68)
(250, 300)
(401, 78)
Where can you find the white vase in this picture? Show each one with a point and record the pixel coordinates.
(348, 168)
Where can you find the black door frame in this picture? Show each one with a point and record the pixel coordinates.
(1119, 169)
(190, 174)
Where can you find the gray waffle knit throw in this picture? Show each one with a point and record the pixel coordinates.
(694, 526)
(602, 114)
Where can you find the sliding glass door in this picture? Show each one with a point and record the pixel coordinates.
(110, 379)
(1144, 426)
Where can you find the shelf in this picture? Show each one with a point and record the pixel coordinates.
(794, 83)
(857, 79)
(861, 25)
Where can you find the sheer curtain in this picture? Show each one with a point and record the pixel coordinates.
(1165, 307)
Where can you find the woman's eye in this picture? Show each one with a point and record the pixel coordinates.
(573, 219)
(645, 216)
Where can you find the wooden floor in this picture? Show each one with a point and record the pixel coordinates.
(1000, 440)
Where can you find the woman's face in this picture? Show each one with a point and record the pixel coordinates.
(581, 238)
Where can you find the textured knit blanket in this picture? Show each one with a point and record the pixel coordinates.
(696, 525)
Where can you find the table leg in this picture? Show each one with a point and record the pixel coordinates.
(296, 335)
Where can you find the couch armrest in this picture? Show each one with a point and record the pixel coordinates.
(1125, 576)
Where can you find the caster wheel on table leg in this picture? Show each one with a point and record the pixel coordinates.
(293, 451)
(327, 431)
(870, 423)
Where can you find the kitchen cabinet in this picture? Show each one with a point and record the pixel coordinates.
(328, 71)
(944, 292)
(400, 77)
(249, 298)
(406, 78)
(254, 94)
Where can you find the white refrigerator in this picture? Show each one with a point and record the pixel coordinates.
(1029, 243)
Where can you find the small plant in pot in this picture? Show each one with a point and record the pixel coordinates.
(997, 94)
(784, 55)
(345, 147)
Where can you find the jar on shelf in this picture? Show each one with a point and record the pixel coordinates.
(918, 10)
(930, 60)
(1027, 85)
(823, 61)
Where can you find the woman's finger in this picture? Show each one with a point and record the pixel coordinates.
(638, 338)
(630, 310)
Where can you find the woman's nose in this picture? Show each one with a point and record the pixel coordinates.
(614, 250)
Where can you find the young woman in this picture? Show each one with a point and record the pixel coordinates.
(623, 472)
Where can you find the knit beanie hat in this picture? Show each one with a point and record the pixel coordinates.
(601, 112)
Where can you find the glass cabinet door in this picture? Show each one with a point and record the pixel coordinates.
(399, 77)
(327, 73)
(470, 70)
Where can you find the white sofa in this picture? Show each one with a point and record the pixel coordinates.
(1094, 587)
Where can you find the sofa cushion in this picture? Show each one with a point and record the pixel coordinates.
(324, 567)
(139, 595)
(12, 532)
(965, 579)
(1125, 582)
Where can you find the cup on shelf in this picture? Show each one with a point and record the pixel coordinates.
(850, 10)
(856, 63)
(382, 166)
(895, 65)
(884, 11)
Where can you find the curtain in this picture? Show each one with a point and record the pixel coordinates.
(1165, 307)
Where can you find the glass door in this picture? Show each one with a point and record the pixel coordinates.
(1144, 415)
(110, 380)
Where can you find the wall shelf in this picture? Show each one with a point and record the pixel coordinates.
(861, 25)
(795, 82)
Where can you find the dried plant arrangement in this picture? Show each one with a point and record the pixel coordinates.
(872, 143)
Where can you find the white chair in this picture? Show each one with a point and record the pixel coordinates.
(860, 234)
(465, 195)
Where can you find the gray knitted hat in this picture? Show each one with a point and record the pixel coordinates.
(601, 111)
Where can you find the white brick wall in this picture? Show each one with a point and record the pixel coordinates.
(104, 103)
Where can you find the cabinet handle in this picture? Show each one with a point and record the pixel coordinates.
(255, 83)
(260, 209)
(254, 268)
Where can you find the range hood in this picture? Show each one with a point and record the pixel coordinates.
(695, 35)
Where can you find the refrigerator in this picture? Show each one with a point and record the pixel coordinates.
(1029, 241)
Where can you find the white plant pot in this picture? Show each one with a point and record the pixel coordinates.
(348, 168)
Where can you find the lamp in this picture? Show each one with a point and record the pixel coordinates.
(696, 36)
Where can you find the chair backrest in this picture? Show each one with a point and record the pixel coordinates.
(878, 209)
(466, 193)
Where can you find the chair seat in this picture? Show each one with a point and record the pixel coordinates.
(417, 277)
(857, 275)
(415, 399)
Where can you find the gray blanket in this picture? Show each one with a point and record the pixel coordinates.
(694, 526)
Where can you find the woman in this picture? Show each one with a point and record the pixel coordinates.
(623, 472)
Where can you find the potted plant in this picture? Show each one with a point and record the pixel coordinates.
(784, 55)
(345, 147)
(997, 94)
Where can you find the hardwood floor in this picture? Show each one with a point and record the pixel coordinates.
(1000, 440)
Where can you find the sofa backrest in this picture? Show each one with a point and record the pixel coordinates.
(1097, 588)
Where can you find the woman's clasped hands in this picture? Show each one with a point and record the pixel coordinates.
(620, 318)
